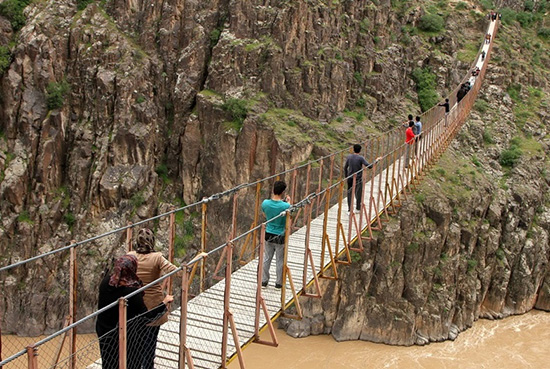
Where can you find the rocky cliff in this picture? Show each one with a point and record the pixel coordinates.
(472, 239)
(113, 111)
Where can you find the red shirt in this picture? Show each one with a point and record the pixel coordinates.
(409, 136)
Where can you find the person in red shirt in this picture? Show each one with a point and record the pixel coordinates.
(409, 140)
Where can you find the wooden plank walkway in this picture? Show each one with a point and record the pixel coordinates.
(205, 311)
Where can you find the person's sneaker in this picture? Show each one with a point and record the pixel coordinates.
(357, 211)
(348, 212)
(264, 284)
(278, 286)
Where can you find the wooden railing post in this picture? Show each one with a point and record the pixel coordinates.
(122, 333)
(32, 357)
(129, 238)
(73, 276)
(204, 224)
(171, 241)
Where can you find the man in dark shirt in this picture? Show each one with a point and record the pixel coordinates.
(447, 109)
(354, 164)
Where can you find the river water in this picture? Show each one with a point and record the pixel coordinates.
(521, 341)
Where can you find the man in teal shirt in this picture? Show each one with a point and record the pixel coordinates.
(275, 232)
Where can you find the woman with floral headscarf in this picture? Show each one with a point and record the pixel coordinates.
(120, 283)
(151, 266)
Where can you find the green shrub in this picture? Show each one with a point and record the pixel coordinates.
(525, 19)
(162, 172)
(238, 110)
(487, 4)
(12, 10)
(508, 16)
(472, 263)
(425, 87)
(514, 90)
(55, 94)
(70, 219)
(431, 23)
(488, 137)
(510, 156)
(461, 5)
(215, 36)
(361, 102)
(24, 217)
(137, 200)
(544, 33)
(5, 59)
(82, 4)
(529, 6)
(358, 78)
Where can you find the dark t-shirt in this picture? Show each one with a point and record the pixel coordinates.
(354, 163)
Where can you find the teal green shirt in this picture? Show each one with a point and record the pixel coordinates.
(271, 209)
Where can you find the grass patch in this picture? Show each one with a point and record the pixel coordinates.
(481, 106)
(468, 52)
(24, 217)
(137, 200)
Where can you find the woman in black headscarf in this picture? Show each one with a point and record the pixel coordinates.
(120, 283)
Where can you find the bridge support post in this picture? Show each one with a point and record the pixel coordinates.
(171, 239)
(203, 244)
(260, 302)
(184, 352)
(122, 332)
(73, 273)
(308, 258)
(227, 314)
(32, 356)
(287, 273)
(129, 237)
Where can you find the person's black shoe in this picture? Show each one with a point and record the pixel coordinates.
(264, 284)
(278, 286)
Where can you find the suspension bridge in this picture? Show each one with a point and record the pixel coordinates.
(222, 305)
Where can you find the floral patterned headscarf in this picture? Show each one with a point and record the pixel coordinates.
(124, 274)
(145, 241)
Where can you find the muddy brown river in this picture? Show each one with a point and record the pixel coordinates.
(516, 342)
(521, 341)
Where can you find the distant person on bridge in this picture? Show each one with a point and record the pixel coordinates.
(447, 107)
(354, 164)
(483, 55)
(120, 283)
(409, 140)
(275, 232)
(151, 266)
(408, 122)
